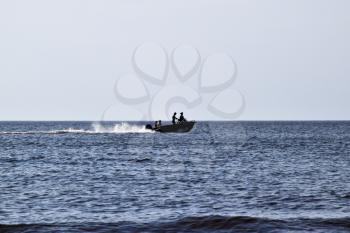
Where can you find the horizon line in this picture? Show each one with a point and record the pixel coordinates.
(201, 120)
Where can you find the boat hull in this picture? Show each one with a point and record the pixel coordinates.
(183, 127)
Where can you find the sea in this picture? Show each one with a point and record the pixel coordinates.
(237, 176)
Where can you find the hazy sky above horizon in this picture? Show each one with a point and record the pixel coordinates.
(59, 60)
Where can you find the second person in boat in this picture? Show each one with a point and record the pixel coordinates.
(182, 118)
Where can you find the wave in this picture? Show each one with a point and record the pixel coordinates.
(95, 129)
(210, 223)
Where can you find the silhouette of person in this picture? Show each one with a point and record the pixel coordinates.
(156, 124)
(174, 118)
(182, 118)
(159, 123)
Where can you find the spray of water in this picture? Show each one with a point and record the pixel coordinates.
(120, 128)
(95, 128)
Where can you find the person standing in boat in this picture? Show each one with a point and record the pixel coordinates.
(174, 118)
(182, 118)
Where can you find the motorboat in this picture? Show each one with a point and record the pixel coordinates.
(179, 127)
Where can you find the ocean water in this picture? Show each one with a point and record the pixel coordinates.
(220, 177)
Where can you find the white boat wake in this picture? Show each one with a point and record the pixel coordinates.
(120, 128)
(95, 129)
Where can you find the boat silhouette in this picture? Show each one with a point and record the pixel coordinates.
(180, 127)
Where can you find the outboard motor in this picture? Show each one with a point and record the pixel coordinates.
(148, 126)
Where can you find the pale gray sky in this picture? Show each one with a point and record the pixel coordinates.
(59, 60)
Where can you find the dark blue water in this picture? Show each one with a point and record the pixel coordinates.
(220, 177)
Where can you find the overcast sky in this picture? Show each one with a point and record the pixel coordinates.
(59, 60)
